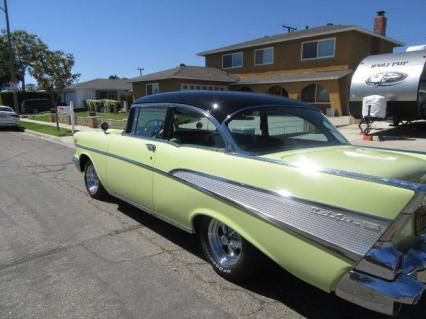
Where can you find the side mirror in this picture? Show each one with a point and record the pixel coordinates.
(104, 126)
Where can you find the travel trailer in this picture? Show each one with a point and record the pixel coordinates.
(390, 87)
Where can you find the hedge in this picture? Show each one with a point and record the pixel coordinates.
(108, 105)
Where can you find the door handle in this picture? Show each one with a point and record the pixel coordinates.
(151, 147)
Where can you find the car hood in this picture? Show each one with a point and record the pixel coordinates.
(374, 162)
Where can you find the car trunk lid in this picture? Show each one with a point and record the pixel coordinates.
(367, 161)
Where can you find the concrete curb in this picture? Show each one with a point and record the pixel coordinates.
(47, 137)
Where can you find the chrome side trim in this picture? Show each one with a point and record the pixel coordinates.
(331, 171)
(125, 159)
(374, 179)
(377, 294)
(394, 150)
(152, 212)
(344, 232)
(371, 225)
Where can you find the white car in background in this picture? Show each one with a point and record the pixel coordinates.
(8, 117)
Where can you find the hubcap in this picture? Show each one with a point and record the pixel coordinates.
(92, 180)
(225, 243)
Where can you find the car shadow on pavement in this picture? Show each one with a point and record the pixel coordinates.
(411, 131)
(273, 282)
(11, 129)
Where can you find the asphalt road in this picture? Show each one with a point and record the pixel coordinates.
(64, 255)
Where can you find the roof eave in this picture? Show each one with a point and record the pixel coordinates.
(183, 78)
(199, 79)
(365, 31)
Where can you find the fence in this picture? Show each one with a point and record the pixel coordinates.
(91, 121)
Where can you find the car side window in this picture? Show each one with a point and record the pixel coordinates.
(147, 122)
(190, 127)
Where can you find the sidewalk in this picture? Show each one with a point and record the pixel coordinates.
(65, 140)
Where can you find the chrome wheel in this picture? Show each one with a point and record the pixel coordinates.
(225, 243)
(92, 180)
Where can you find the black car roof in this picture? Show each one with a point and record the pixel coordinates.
(226, 102)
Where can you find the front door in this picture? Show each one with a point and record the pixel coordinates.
(132, 159)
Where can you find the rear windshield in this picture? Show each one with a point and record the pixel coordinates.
(274, 129)
(5, 109)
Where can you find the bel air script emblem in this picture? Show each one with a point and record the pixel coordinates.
(386, 78)
(342, 218)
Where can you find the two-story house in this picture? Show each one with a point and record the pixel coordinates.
(313, 65)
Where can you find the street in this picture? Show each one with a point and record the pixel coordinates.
(65, 255)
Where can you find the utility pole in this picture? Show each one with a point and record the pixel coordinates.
(140, 70)
(13, 82)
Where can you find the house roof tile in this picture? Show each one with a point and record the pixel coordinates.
(103, 84)
(295, 35)
(191, 73)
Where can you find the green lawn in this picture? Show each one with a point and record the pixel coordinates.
(110, 116)
(46, 129)
(41, 117)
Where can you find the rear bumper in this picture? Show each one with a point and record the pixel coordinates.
(387, 296)
(9, 123)
(76, 160)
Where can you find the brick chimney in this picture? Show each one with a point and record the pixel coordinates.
(380, 23)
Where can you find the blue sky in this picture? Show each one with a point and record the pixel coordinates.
(115, 37)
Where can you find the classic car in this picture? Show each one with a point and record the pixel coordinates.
(256, 175)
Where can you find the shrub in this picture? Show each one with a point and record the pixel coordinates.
(94, 105)
(108, 105)
(111, 105)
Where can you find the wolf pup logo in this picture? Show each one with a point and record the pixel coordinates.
(386, 78)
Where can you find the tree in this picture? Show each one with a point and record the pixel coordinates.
(27, 49)
(53, 72)
(4, 66)
(113, 77)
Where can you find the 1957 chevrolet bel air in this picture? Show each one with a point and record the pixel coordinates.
(261, 175)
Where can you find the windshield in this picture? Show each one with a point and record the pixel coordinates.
(266, 130)
(5, 109)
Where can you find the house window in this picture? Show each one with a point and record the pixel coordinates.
(318, 49)
(234, 60)
(110, 95)
(264, 56)
(152, 88)
(315, 93)
(186, 86)
(277, 90)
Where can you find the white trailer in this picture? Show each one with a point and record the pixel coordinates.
(399, 78)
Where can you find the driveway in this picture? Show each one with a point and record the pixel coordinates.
(410, 137)
(64, 255)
